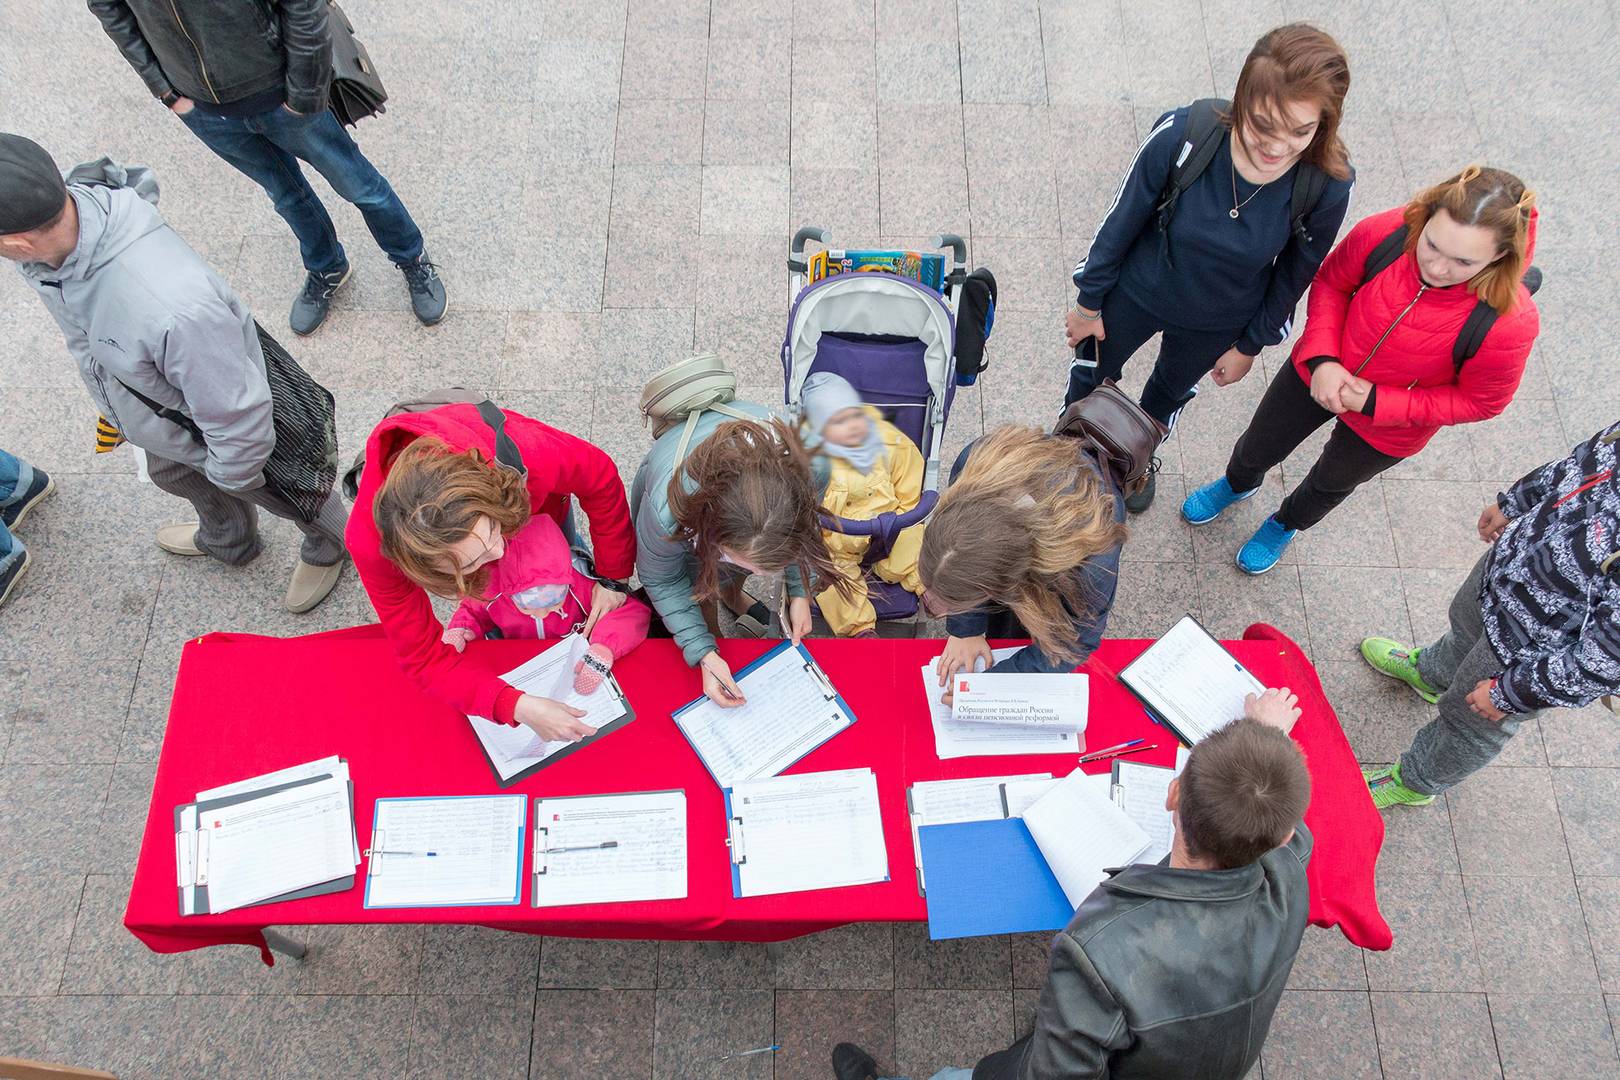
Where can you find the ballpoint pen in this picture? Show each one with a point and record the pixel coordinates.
(381, 851)
(1123, 753)
(581, 847)
(1089, 755)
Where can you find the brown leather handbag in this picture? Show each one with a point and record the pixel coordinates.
(1122, 434)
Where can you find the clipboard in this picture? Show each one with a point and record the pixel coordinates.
(737, 848)
(200, 892)
(551, 759)
(1156, 715)
(542, 832)
(838, 708)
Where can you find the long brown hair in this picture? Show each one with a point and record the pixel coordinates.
(1012, 529)
(1297, 62)
(1490, 199)
(752, 496)
(432, 498)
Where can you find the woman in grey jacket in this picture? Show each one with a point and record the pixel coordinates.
(745, 503)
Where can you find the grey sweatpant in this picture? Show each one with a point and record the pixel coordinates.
(228, 526)
(1457, 742)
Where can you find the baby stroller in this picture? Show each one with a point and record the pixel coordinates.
(905, 328)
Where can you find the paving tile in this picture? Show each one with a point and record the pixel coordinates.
(1589, 806)
(698, 1032)
(1357, 533)
(1530, 934)
(842, 201)
(671, 68)
(745, 199)
(749, 68)
(25, 1025)
(164, 1037)
(51, 818)
(1232, 600)
(742, 273)
(1600, 905)
(1528, 841)
(331, 1035)
(356, 959)
(832, 18)
(1322, 1034)
(834, 135)
(663, 19)
(714, 965)
(1341, 602)
(1588, 736)
(473, 959)
(660, 132)
(1031, 957)
(592, 1033)
(854, 957)
(657, 198)
(745, 132)
(625, 282)
(1526, 435)
(636, 342)
(813, 57)
(581, 132)
(1433, 521)
(1150, 597)
(809, 1023)
(583, 20)
(1434, 1036)
(1379, 715)
(922, 19)
(938, 1029)
(577, 71)
(1573, 1030)
(1002, 66)
(923, 200)
(750, 344)
(1448, 456)
(918, 71)
(1327, 961)
(36, 924)
(919, 135)
(478, 1037)
(544, 349)
(960, 964)
(63, 711)
(588, 963)
(1418, 843)
(750, 18)
(1434, 941)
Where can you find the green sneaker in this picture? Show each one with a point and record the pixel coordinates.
(1398, 662)
(1384, 782)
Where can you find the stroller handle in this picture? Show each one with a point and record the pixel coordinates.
(885, 527)
(796, 262)
(958, 246)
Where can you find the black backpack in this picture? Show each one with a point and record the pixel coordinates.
(1199, 145)
(1479, 321)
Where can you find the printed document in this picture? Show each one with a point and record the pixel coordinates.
(476, 844)
(954, 738)
(1140, 791)
(1191, 681)
(264, 847)
(602, 849)
(1056, 702)
(810, 831)
(333, 766)
(1081, 833)
(790, 710)
(549, 674)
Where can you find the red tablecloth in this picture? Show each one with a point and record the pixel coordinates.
(245, 705)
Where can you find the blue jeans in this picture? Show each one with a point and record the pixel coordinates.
(268, 147)
(16, 476)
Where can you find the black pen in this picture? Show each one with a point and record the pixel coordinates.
(581, 847)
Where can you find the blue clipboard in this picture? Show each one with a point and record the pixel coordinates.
(517, 894)
(835, 701)
(735, 859)
(989, 877)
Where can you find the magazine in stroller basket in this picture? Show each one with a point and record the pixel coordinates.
(888, 322)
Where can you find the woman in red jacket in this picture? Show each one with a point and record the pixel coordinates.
(1379, 355)
(433, 510)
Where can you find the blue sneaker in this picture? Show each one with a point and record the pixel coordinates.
(1210, 501)
(1265, 547)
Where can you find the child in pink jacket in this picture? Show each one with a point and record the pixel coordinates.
(536, 592)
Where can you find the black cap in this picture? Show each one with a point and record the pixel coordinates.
(31, 188)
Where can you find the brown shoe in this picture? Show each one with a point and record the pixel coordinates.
(180, 539)
(310, 585)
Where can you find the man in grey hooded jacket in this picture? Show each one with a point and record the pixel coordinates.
(169, 353)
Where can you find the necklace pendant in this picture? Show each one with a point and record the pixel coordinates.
(1232, 213)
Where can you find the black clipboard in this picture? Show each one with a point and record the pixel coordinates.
(1157, 716)
(606, 729)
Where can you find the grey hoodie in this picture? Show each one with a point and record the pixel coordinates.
(142, 311)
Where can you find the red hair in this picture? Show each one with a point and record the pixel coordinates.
(1297, 62)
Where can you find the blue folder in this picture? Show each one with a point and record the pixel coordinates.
(988, 877)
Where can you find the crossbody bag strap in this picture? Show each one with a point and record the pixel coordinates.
(173, 416)
(506, 451)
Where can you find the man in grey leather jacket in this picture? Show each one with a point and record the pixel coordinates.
(251, 79)
(1173, 972)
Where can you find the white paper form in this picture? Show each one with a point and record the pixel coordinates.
(477, 843)
(1082, 833)
(1022, 794)
(790, 710)
(1140, 791)
(1053, 701)
(975, 798)
(276, 844)
(954, 739)
(1190, 680)
(810, 831)
(550, 674)
(333, 766)
(646, 862)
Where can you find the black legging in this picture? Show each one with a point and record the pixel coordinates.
(1286, 417)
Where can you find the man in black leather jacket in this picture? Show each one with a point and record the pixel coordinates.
(250, 78)
(1173, 972)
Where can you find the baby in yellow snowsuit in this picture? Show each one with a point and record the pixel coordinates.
(873, 468)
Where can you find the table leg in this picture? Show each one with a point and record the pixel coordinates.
(775, 950)
(286, 946)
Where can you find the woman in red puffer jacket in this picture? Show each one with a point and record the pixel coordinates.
(1379, 356)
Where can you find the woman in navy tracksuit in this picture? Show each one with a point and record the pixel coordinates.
(1220, 278)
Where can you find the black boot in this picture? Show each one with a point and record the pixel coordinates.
(850, 1062)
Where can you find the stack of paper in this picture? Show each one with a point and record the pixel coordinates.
(811, 831)
(601, 849)
(1082, 834)
(978, 798)
(790, 708)
(1189, 680)
(1051, 702)
(446, 852)
(516, 752)
(280, 836)
(1140, 790)
(954, 738)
